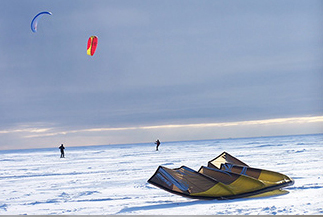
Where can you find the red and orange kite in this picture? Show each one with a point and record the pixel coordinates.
(91, 45)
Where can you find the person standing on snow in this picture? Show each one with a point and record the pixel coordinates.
(157, 144)
(62, 150)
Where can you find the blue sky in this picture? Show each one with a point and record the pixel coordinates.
(158, 63)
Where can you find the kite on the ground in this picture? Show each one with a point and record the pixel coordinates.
(225, 177)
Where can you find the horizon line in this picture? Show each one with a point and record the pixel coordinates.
(47, 131)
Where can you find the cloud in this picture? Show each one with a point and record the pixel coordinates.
(31, 132)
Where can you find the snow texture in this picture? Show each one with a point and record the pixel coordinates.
(112, 179)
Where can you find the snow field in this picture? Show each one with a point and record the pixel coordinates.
(112, 179)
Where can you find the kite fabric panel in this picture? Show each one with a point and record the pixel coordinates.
(225, 158)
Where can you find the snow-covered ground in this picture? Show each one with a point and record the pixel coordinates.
(112, 179)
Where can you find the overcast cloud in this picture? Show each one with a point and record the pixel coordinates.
(159, 62)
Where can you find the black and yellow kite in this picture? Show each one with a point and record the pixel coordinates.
(225, 177)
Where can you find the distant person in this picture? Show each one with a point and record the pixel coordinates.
(157, 144)
(62, 150)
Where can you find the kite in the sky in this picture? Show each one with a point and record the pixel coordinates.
(91, 45)
(34, 22)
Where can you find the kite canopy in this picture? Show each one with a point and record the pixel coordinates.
(213, 183)
(34, 22)
(92, 43)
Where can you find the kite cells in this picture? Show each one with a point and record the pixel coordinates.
(34, 22)
(91, 45)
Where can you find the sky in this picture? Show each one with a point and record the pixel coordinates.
(173, 70)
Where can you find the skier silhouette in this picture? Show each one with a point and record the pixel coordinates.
(62, 150)
(157, 144)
